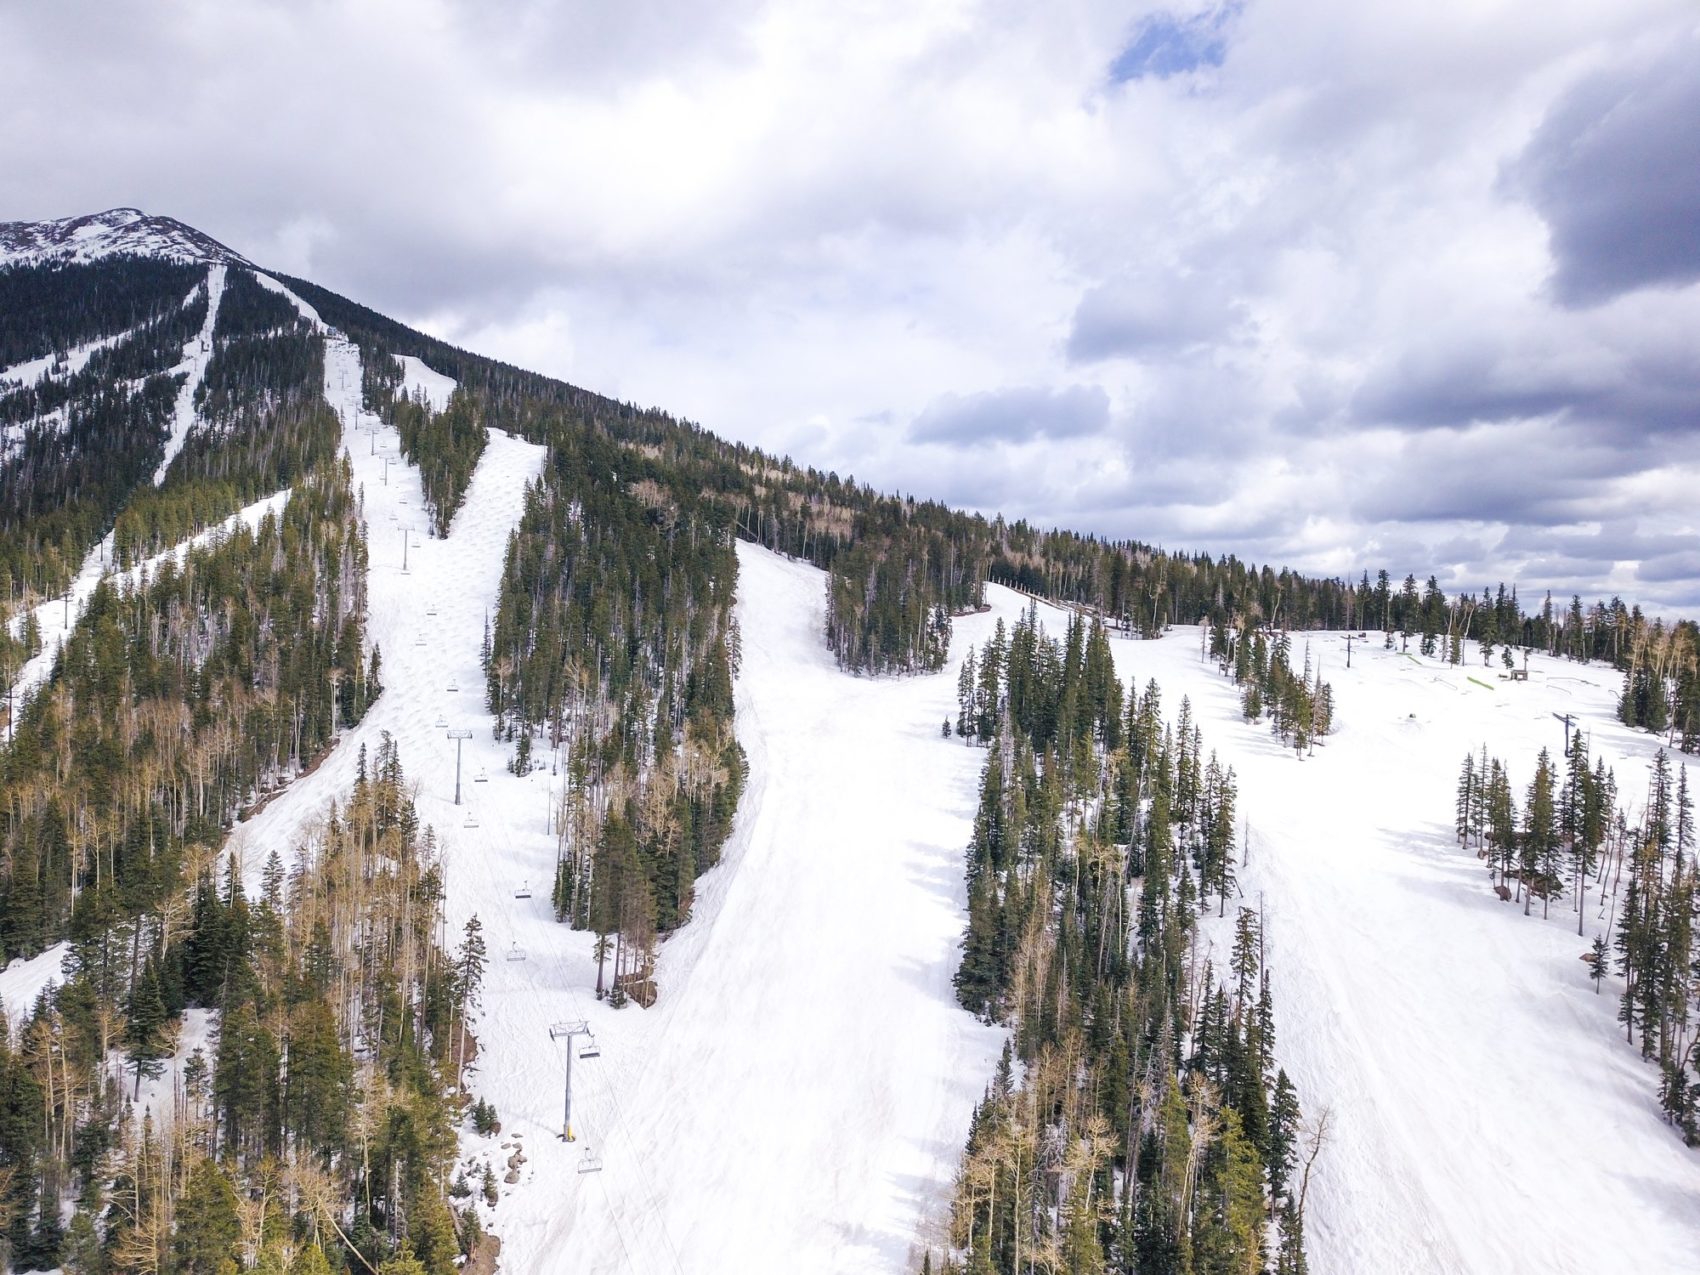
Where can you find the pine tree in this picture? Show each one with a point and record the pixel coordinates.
(146, 1038)
(1540, 849)
(208, 1227)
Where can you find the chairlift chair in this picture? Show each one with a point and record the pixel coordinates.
(431, 609)
(482, 777)
(471, 820)
(441, 721)
(591, 1163)
(516, 952)
(589, 1048)
(454, 685)
(524, 891)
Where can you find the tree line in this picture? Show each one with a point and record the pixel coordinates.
(1300, 706)
(882, 617)
(611, 654)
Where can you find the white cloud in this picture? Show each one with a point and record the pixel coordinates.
(1296, 277)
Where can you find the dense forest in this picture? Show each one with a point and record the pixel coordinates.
(261, 423)
(1568, 836)
(83, 434)
(86, 436)
(315, 1130)
(179, 700)
(1139, 1122)
(612, 652)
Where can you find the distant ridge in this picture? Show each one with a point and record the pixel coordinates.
(115, 232)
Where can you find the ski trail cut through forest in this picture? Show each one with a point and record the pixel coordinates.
(798, 1097)
(196, 355)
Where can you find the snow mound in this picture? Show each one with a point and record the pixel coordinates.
(116, 232)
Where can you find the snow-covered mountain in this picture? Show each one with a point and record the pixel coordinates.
(115, 232)
(799, 1094)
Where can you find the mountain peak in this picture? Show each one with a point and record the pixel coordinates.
(115, 232)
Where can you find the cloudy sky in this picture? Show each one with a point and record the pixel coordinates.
(1320, 282)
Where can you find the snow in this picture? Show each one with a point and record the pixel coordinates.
(197, 354)
(419, 381)
(23, 981)
(318, 325)
(158, 1096)
(1487, 1114)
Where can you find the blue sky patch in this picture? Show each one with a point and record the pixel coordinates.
(1164, 44)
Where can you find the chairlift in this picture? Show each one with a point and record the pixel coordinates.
(454, 685)
(431, 609)
(524, 891)
(516, 952)
(420, 640)
(471, 820)
(482, 777)
(589, 1049)
(441, 721)
(591, 1163)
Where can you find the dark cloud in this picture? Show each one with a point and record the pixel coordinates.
(1614, 169)
(1450, 386)
(1524, 473)
(1150, 316)
(1578, 372)
(1682, 566)
(1017, 415)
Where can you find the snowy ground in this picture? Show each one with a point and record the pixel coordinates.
(1488, 1116)
(419, 381)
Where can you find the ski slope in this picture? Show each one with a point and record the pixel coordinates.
(801, 1090)
(197, 354)
(1487, 1116)
(798, 1097)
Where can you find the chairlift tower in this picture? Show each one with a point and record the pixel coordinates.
(568, 1032)
(460, 735)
